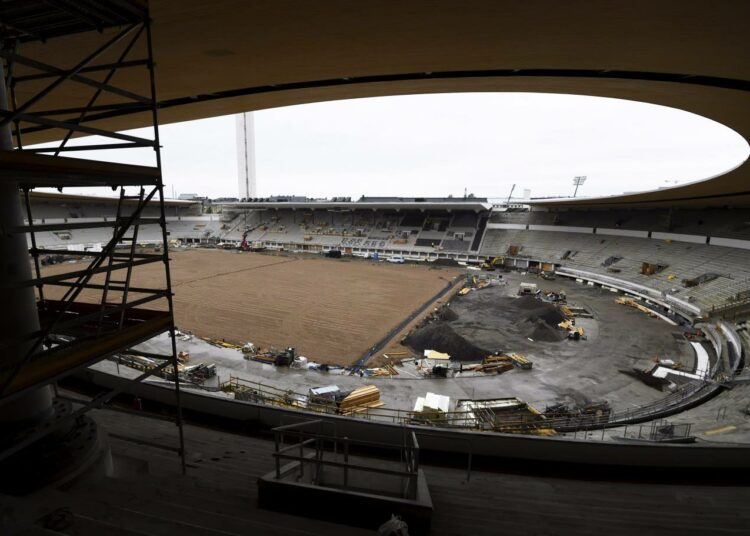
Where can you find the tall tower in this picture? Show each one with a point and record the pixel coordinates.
(246, 155)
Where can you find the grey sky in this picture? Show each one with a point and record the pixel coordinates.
(439, 144)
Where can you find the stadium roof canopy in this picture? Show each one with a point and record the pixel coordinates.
(227, 56)
(477, 206)
(40, 197)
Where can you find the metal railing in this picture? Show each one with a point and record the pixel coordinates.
(529, 424)
(309, 449)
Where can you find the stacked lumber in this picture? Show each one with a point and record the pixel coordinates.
(566, 311)
(635, 305)
(360, 400)
(267, 358)
(498, 367)
(496, 359)
(391, 369)
(521, 361)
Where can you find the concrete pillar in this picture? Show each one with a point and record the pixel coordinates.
(18, 314)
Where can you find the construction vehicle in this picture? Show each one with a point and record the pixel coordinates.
(575, 333)
(490, 264)
(244, 245)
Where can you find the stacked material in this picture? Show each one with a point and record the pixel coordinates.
(385, 370)
(520, 361)
(490, 368)
(496, 359)
(360, 400)
(432, 406)
(630, 302)
(433, 354)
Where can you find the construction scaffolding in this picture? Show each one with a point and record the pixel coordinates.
(91, 310)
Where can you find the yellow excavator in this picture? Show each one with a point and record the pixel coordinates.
(490, 264)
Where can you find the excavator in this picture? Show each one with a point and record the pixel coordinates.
(490, 264)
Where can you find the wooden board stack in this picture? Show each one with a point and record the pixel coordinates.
(360, 400)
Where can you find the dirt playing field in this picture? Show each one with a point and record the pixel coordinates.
(330, 310)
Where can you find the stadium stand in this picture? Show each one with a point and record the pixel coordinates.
(702, 254)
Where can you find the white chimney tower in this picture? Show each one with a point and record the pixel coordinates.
(246, 155)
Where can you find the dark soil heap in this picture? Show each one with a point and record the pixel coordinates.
(441, 337)
(538, 320)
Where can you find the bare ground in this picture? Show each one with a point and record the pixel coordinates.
(331, 310)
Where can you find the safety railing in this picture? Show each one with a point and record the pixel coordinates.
(528, 424)
(308, 448)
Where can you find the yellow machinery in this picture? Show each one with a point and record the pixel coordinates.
(493, 263)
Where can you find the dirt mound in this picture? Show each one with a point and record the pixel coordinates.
(447, 314)
(538, 320)
(542, 332)
(441, 337)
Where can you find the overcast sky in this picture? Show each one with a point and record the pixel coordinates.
(436, 145)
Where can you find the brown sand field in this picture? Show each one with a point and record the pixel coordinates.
(331, 310)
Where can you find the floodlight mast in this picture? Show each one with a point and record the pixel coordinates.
(578, 181)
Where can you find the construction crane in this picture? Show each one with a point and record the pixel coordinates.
(244, 246)
(507, 203)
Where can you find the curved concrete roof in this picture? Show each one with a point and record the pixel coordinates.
(477, 206)
(228, 56)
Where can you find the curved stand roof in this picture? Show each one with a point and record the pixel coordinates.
(229, 56)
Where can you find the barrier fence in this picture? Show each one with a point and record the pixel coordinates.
(532, 422)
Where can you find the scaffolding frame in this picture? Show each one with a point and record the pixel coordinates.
(76, 330)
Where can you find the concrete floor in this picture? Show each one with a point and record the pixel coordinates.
(147, 495)
(565, 371)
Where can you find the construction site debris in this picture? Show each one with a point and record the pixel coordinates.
(431, 407)
(555, 297)
(271, 356)
(221, 343)
(520, 361)
(200, 373)
(599, 409)
(527, 289)
(574, 332)
(433, 354)
(510, 415)
(360, 399)
(648, 378)
(630, 302)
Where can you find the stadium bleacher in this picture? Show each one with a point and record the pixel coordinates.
(711, 247)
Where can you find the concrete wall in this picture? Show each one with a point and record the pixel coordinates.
(622, 232)
(693, 239)
(561, 229)
(730, 242)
